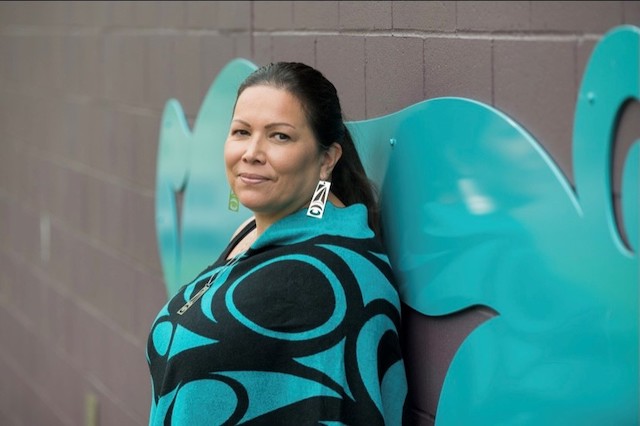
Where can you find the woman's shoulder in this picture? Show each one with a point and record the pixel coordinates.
(247, 224)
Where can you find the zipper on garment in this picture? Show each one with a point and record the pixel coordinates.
(231, 262)
(196, 296)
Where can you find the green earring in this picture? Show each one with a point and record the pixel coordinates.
(234, 203)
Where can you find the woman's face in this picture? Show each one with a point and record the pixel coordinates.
(272, 159)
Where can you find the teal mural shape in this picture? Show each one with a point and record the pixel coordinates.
(475, 212)
(193, 222)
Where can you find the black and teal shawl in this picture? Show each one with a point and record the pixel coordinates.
(300, 330)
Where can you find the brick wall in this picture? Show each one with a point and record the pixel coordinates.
(82, 88)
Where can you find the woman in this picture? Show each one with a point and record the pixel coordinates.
(297, 321)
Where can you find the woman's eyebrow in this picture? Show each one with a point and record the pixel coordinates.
(268, 126)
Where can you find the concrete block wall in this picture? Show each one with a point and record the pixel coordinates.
(82, 88)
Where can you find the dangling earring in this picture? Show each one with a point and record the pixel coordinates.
(319, 200)
(234, 203)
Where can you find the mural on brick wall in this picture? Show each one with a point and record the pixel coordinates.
(474, 213)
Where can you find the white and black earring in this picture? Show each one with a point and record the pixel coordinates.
(319, 199)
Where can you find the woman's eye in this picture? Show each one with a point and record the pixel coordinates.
(239, 132)
(281, 137)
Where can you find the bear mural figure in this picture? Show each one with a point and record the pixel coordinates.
(475, 216)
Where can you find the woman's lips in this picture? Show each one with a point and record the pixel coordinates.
(251, 179)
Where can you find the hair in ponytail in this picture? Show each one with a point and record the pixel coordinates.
(321, 104)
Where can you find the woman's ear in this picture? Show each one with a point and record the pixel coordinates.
(330, 159)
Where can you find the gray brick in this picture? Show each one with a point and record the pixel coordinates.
(424, 15)
(113, 289)
(160, 83)
(262, 49)
(72, 147)
(97, 208)
(31, 302)
(56, 126)
(150, 295)
(112, 412)
(35, 181)
(11, 278)
(234, 15)
(55, 73)
(458, 67)
(44, 13)
(11, 116)
(146, 14)
(145, 148)
(74, 207)
(112, 232)
(316, 15)
(370, 15)
(126, 374)
(272, 15)
(26, 404)
(93, 206)
(5, 50)
(13, 165)
(12, 170)
(584, 51)
(188, 73)
(242, 45)
(130, 209)
(125, 70)
(535, 85)
(217, 51)
(54, 331)
(61, 266)
(76, 330)
(294, 48)
(91, 335)
(22, 351)
(12, 73)
(38, 136)
(90, 13)
(122, 13)
(20, 72)
(6, 269)
(93, 131)
(54, 12)
(143, 245)
(11, 394)
(575, 16)
(170, 14)
(394, 74)
(68, 398)
(631, 12)
(78, 137)
(28, 61)
(24, 232)
(124, 137)
(43, 61)
(8, 12)
(341, 60)
(202, 14)
(493, 15)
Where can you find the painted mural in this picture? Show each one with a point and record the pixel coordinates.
(475, 213)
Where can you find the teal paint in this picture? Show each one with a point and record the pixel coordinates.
(475, 213)
(192, 234)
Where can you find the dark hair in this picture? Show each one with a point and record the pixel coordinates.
(321, 105)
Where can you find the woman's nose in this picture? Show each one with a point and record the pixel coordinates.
(254, 151)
